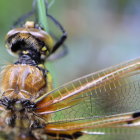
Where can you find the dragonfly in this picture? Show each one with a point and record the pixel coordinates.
(98, 105)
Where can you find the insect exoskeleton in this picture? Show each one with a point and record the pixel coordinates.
(22, 81)
(29, 38)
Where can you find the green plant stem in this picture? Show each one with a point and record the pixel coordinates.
(42, 18)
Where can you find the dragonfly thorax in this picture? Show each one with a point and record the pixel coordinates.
(19, 117)
(17, 105)
(22, 82)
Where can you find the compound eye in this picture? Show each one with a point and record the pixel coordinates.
(13, 42)
(15, 47)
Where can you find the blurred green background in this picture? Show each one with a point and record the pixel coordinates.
(101, 33)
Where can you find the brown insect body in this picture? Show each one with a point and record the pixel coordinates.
(31, 111)
(20, 85)
(23, 82)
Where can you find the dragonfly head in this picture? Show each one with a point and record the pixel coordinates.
(29, 38)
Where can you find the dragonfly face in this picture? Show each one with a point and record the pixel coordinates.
(28, 39)
(31, 110)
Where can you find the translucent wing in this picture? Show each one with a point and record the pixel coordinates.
(112, 91)
(118, 125)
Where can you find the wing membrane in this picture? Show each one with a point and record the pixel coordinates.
(120, 124)
(108, 92)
